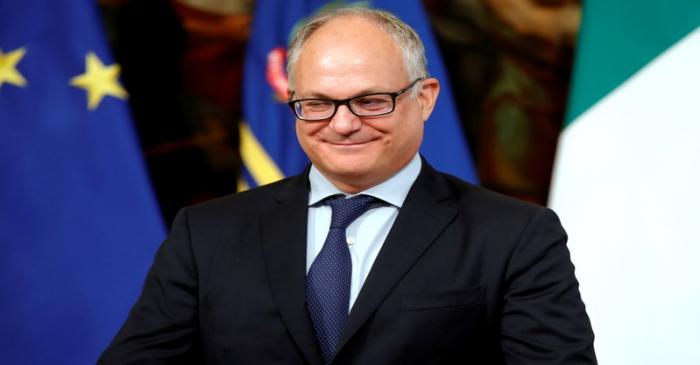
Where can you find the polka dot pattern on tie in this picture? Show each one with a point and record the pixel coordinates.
(328, 280)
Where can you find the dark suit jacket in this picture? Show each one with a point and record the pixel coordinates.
(465, 276)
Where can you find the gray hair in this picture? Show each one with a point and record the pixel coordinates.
(405, 37)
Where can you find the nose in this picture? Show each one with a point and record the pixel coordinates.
(344, 122)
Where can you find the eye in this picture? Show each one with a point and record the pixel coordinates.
(316, 105)
(373, 102)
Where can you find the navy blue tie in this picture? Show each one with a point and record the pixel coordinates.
(328, 280)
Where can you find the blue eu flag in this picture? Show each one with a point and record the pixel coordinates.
(269, 147)
(78, 222)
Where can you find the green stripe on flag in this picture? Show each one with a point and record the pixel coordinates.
(618, 38)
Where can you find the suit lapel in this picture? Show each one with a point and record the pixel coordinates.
(426, 211)
(283, 237)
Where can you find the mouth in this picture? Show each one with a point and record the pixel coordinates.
(350, 144)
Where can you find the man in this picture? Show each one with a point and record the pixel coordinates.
(427, 269)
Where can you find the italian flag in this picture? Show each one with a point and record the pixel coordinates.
(626, 181)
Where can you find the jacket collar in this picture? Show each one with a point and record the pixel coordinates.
(283, 239)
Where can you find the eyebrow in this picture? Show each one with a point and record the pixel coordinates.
(318, 95)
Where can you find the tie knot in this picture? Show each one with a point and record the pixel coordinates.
(345, 211)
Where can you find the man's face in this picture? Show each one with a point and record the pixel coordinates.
(348, 57)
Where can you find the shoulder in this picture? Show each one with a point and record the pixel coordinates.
(487, 201)
(491, 211)
(242, 206)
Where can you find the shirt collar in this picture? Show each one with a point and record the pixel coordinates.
(393, 191)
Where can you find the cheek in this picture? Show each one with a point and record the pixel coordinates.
(410, 142)
(303, 138)
(305, 133)
(408, 135)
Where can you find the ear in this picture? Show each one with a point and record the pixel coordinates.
(427, 96)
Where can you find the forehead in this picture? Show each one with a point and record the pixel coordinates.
(347, 50)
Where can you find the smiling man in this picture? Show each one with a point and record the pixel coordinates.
(352, 146)
(370, 256)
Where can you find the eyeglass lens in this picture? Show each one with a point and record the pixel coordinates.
(367, 105)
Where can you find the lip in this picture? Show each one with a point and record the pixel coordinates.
(349, 144)
(342, 142)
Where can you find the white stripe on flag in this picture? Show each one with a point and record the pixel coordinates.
(627, 188)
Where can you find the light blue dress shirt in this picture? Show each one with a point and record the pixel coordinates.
(366, 235)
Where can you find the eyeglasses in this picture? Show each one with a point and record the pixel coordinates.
(369, 105)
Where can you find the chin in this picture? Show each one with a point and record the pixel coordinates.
(348, 167)
(345, 167)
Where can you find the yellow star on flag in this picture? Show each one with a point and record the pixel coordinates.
(8, 67)
(99, 80)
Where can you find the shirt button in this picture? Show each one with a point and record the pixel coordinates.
(350, 240)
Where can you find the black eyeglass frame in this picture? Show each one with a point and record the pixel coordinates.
(346, 102)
